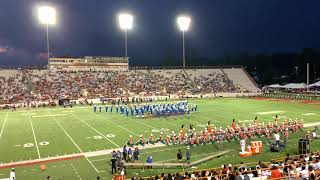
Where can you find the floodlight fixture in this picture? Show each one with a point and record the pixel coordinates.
(125, 21)
(184, 22)
(47, 15)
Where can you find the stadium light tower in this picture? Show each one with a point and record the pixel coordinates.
(126, 23)
(183, 23)
(47, 16)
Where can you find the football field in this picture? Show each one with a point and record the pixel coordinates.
(50, 132)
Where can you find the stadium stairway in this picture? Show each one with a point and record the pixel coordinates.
(189, 78)
(29, 82)
(241, 78)
(227, 79)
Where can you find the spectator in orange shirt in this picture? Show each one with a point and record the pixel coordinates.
(275, 173)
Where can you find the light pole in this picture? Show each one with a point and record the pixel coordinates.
(47, 16)
(126, 23)
(183, 23)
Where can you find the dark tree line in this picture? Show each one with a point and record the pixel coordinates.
(265, 68)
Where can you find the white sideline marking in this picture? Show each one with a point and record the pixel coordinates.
(49, 115)
(280, 117)
(34, 136)
(243, 121)
(309, 114)
(73, 142)
(269, 112)
(5, 120)
(40, 109)
(95, 130)
(119, 126)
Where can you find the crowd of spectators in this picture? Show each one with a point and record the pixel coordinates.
(215, 82)
(304, 167)
(25, 86)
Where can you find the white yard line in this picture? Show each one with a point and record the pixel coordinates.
(5, 120)
(96, 130)
(64, 130)
(34, 136)
(119, 126)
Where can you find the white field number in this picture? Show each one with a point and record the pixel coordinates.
(97, 137)
(28, 145)
(111, 135)
(100, 137)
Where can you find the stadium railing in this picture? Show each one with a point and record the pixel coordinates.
(296, 96)
(180, 67)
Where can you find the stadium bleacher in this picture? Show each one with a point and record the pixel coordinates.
(22, 86)
(290, 167)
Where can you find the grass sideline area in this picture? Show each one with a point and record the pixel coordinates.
(48, 132)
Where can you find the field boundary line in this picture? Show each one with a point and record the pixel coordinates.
(95, 130)
(5, 120)
(34, 136)
(70, 156)
(39, 161)
(64, 130)
(117, 125)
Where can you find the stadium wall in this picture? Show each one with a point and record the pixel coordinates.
(155, 98)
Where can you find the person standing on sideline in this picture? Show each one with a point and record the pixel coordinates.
(149, 161)
(125, 152)
(188, 154)
(243, 145)
(179, 155)
(113, 165)
(12, 174)
(129, 154)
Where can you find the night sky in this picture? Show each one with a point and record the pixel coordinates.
(218, 28)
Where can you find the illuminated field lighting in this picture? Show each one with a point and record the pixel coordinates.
(184, 22)
(47, 15)
(125, 21)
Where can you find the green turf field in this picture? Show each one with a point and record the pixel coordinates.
(41, 133)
